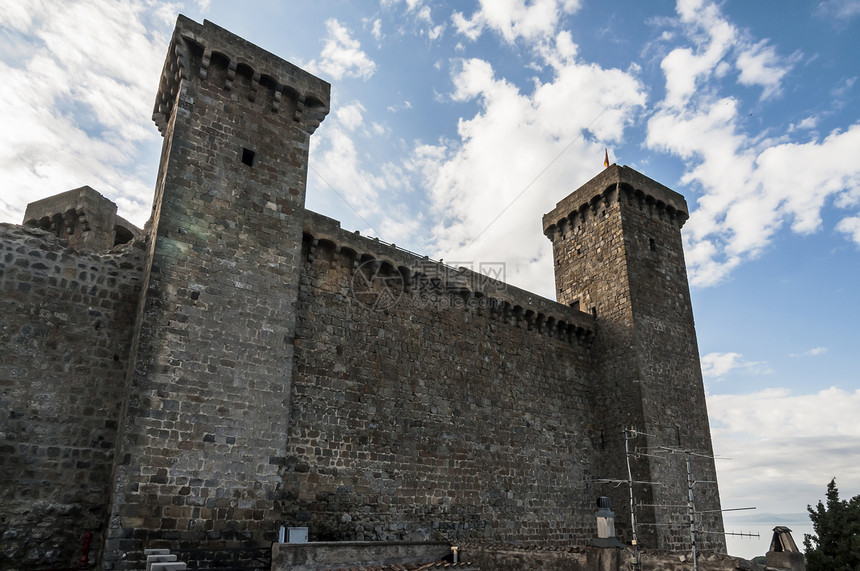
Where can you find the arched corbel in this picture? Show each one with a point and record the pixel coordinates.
(551, 325)
(255, 85)
(231, 75)
(540, 323)
(205, 61)
(300, 107)
(276, 99)
(528, 316)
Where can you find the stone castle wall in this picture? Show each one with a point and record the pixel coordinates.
(438, 414)
(252, 364)
(618, 252)
(65, 338)
(203, 436)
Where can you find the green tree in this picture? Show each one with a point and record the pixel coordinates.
(835, 545)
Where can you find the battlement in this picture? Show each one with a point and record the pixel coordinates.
(614, 183)
(435, 282)
(84, 218)
(210, 52)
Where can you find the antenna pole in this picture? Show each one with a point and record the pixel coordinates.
(627, 433)
(691, 508)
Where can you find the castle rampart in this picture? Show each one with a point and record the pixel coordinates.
(424, 420)
(213, 54)
(458, 287)
(64, 330)
(85, 219)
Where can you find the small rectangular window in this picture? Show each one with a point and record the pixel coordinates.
(248, 157)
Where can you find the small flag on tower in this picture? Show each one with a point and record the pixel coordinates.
(606, 157)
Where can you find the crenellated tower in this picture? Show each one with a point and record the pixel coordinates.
(618, 255)
(203, 431)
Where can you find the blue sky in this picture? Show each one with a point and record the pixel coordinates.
(456, 125)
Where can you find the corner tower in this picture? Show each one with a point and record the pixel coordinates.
(618, 254)
(203, 431)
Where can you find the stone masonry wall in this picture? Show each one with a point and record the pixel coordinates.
(673, 395)
(65, 330)
(618, 252)
(416, 420)
(591, 271)
(204, 430)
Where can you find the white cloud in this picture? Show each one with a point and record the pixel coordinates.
(814, 352)
(717, 365)
(350, 115)
(424, 15)
(75, 111)
(488, 188)
(421, 16)
(406, 104)
(339, 162)
(839, 10)
(514, 19)
(435, 32)
(341, 55)
(685, 67)
(750, 187)
(759, 65)
(343, 173)
(851, 227)
(785, 447)
(810, 122)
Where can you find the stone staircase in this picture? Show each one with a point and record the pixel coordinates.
(162, 560)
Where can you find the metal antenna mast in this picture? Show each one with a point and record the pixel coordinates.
(690, 506)
(627, 433)
(691, 509)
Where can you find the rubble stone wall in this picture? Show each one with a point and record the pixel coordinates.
(203, 435)
(65, 335)
(435, 416)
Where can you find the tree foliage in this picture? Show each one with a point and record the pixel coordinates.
(835, 543)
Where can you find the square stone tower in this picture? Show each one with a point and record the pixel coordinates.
(618, 255)
(209, 384)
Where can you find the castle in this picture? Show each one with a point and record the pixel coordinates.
(244, 363)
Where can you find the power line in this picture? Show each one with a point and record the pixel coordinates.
(540, 174)
(334, 190)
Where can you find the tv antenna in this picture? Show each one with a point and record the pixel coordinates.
(693, 516)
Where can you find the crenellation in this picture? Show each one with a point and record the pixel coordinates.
(357, 250)
(65, 340)
(208, 47)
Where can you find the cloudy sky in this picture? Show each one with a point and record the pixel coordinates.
(456, 125)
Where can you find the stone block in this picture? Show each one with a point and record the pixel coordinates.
(159, 558)
(169, 566)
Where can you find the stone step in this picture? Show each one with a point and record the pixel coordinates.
(153, 559)
(169, 566)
